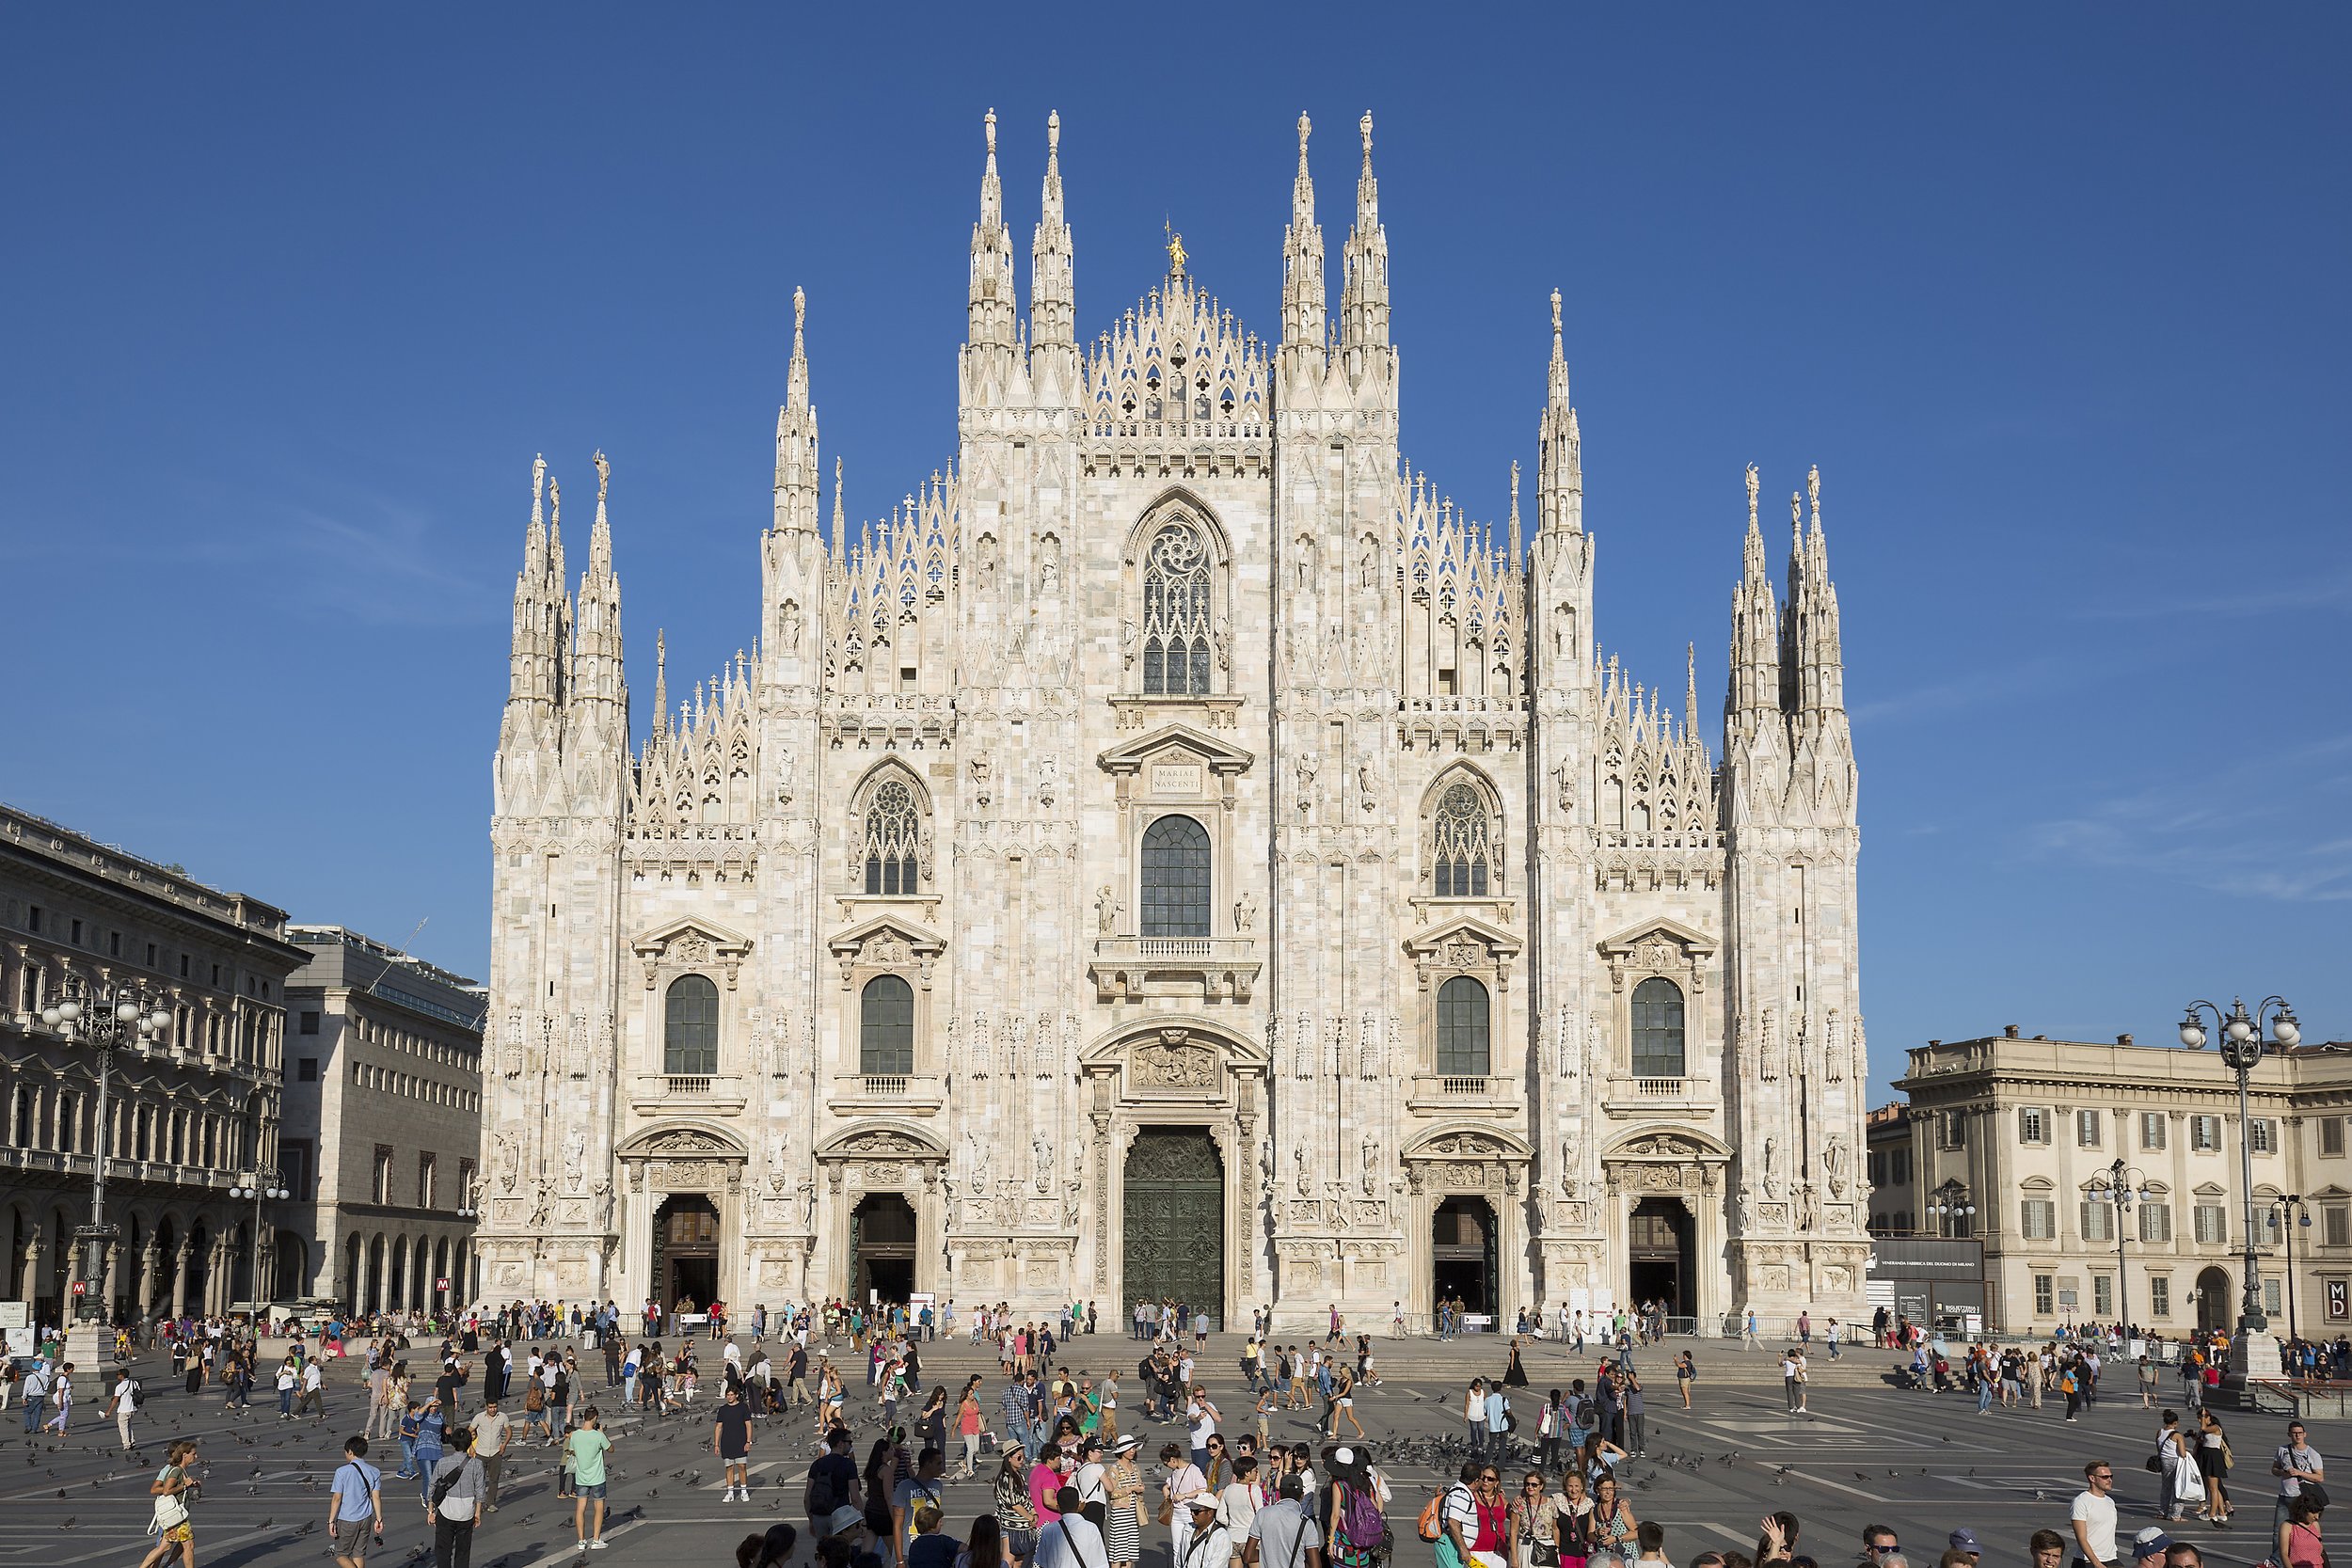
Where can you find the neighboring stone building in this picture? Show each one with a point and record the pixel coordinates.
(187, 1115)
(2027, 1133)
(1894, 1201)
(383, 1122)
(1177, 853)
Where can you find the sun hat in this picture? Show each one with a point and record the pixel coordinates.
(842, 1520)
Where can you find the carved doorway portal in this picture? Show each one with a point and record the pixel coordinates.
(1662, 1256)
(685, 1251)
(1172, 1235)
(881, 1248)
(1462, 1253)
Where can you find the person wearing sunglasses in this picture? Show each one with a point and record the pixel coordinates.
(2093, 1516)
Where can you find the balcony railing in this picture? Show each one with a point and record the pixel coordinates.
(1662, 1088)
(1465, 1085)
(886, 1082)
(688, 1083)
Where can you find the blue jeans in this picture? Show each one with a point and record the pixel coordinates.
(32, 1416)
(426, 1459)
(1984, 1394)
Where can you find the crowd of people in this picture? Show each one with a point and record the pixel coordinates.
(1066, 1487)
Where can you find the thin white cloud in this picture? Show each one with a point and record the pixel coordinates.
(2226, 830)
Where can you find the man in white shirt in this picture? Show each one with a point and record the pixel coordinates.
(1073, 1541)
(2093, 1516)
(1212, 1543)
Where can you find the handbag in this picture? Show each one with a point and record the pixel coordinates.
(2317, 1494)
(1168, 1509)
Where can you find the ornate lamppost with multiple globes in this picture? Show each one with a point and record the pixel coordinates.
(2122, 1186)
(106, 1019)
(262, 1184)
(2253, 1349)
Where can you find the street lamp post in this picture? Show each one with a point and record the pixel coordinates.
(2242, 1047)
(2292, 1211)
(104, 1019)
(1955, 1218)
(263, 1184)
(2122, 1187)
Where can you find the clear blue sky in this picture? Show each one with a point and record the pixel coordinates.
(2054, 295)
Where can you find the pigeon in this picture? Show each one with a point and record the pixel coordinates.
(69, 1522)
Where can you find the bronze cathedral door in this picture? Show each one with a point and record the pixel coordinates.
(1173, 1238)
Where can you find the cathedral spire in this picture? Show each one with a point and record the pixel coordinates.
(1560, 470)
(1516, 552)
(660, 682)
(1821, 680)
(990, 303)
(1052, 285)
(533, 677)
(1364, 294)
(796, 436)
(1304, 311)
(1754, 695)
(596, 674)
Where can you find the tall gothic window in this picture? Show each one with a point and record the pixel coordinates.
(1657, 1029)
(1462, 1049)
(1175, 878)
(885, 1027)
(690, 1026)
(1177, 613)
(894, 831)
(1461, 846)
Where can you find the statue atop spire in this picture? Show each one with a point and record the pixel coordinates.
(1176, 252)
(796, 433)
(1364, 293)
(1304, 322)
(991, 304)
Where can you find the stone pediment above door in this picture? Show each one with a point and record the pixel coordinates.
(1463, 945)
(1658, 944)
(886, 943)
(1174, 761)
(692, 943)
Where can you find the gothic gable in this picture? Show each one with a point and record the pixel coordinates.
(681, 1141)
(880, 1140)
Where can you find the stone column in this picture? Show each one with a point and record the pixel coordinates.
(180, 1279)
(31, 1290)
(151, 1259)
(110, 1276)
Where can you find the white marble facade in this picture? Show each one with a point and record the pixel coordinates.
(1176, 761)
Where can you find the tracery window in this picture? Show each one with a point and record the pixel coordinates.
(1658, 1029)
(1178, 615)
(690, 1026)
(1462, 1029)
(1461, 844)
(894, 831)
(885, 1027)
(1175, 899)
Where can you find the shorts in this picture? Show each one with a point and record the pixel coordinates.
(182, 1531)
(353, 1537)
(592, 1491)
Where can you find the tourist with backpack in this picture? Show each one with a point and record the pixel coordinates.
(453, 1501)
(122, 1405)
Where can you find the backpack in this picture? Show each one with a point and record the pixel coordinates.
(1361, 1523)
(138, 1396)
(824, 1492)
(1430, 1524)
(536, 1397)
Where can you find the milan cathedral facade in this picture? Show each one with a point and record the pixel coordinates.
(1177, 853)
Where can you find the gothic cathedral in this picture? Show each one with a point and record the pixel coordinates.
(1176, 854)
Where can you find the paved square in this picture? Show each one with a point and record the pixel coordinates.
(1922, 1463)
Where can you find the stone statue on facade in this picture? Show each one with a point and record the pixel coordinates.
(1106, 910)
(1246, 912)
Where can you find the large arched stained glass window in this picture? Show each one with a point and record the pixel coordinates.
(1462, 1049)
(1178, 616)
(1460, 846)
(1175, 878)
(1657, 1029)
(690, 1026)
(885, 1027)
(894, 831)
